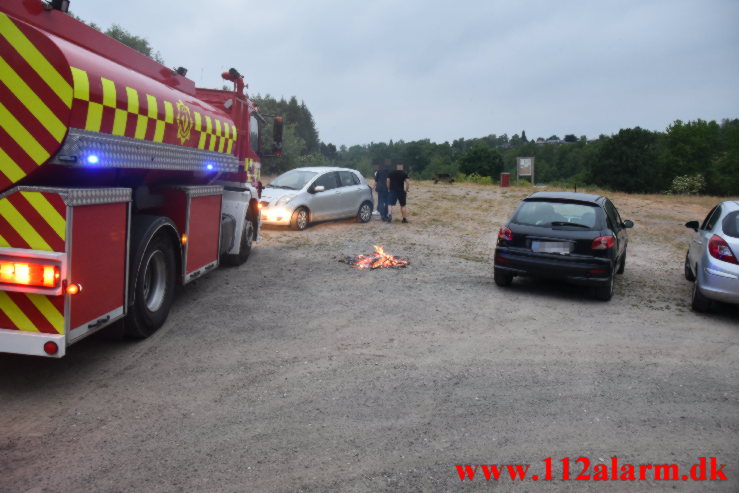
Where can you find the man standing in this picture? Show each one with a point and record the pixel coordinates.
(398, 184)
(381, 188)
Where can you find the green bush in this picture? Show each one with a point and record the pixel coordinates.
(475, 178)
(687, 185)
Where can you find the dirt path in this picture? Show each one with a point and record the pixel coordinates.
(299, 373)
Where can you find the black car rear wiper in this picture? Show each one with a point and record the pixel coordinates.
(565, 223)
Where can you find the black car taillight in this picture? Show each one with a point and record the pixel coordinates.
(603, 243)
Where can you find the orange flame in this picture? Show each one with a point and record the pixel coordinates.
(378, 260)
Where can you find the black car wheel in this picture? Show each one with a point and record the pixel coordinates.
(365, 212)
(699, 303)
(688, 271)
(605, 293)
(299, 220)
(622, 264)
(502, 278)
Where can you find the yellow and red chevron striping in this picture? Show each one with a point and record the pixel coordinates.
(32, 312)
(35, 99)
(109, 106)
(33, 220)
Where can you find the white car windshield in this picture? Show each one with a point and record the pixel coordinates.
(293, 180)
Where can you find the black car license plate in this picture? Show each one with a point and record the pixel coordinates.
(560, 247)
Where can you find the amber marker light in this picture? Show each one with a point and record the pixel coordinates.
(183, 239)
(74, 288)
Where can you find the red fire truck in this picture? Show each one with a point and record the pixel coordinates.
(118, 179)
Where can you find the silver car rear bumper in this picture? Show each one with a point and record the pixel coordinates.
(720, 282)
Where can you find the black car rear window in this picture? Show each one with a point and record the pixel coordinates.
(557, 213)
(731, 224)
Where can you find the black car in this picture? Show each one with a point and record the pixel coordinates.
(576, 237)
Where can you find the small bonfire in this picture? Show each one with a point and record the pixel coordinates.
(376, 260)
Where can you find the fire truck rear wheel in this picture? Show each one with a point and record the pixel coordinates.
(247, 239)
(154, 290)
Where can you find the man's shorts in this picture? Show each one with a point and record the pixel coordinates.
(395, 197)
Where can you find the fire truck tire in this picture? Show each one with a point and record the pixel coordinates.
(365, 212)
(154, 289)
(300, 219)
(245, 244)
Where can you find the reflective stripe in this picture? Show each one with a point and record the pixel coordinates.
(94, 117)
(109, 97)
(48, 212)
(119, 122)
(22, 136)
(31, 101)
(10, 168)
(23, 227)
(159, 131)
(48, 310)
(141, 123)
(152, 111)
(15, 314)
(133, 100)
(81, 84)
(168, 112)
(218, 135)
(36, 60)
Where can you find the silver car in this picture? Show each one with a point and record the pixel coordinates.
(711, 262)
(305, 195)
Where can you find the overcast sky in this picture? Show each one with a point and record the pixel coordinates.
(378, 70)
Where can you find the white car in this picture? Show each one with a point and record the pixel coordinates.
(711, 262)
(305, 195)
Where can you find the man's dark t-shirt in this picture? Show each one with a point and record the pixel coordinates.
(381, 180)
(397, 178)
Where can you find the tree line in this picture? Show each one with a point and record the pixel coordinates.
(694, 157)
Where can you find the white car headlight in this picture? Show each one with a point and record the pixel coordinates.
(282, 201)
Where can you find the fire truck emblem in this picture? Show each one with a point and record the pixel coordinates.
(184, 122)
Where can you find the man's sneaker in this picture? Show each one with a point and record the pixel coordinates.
(389, 218)
(405, 220)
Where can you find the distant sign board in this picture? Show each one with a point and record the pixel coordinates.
(525, 167)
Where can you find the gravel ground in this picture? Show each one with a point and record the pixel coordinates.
(296, 372)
